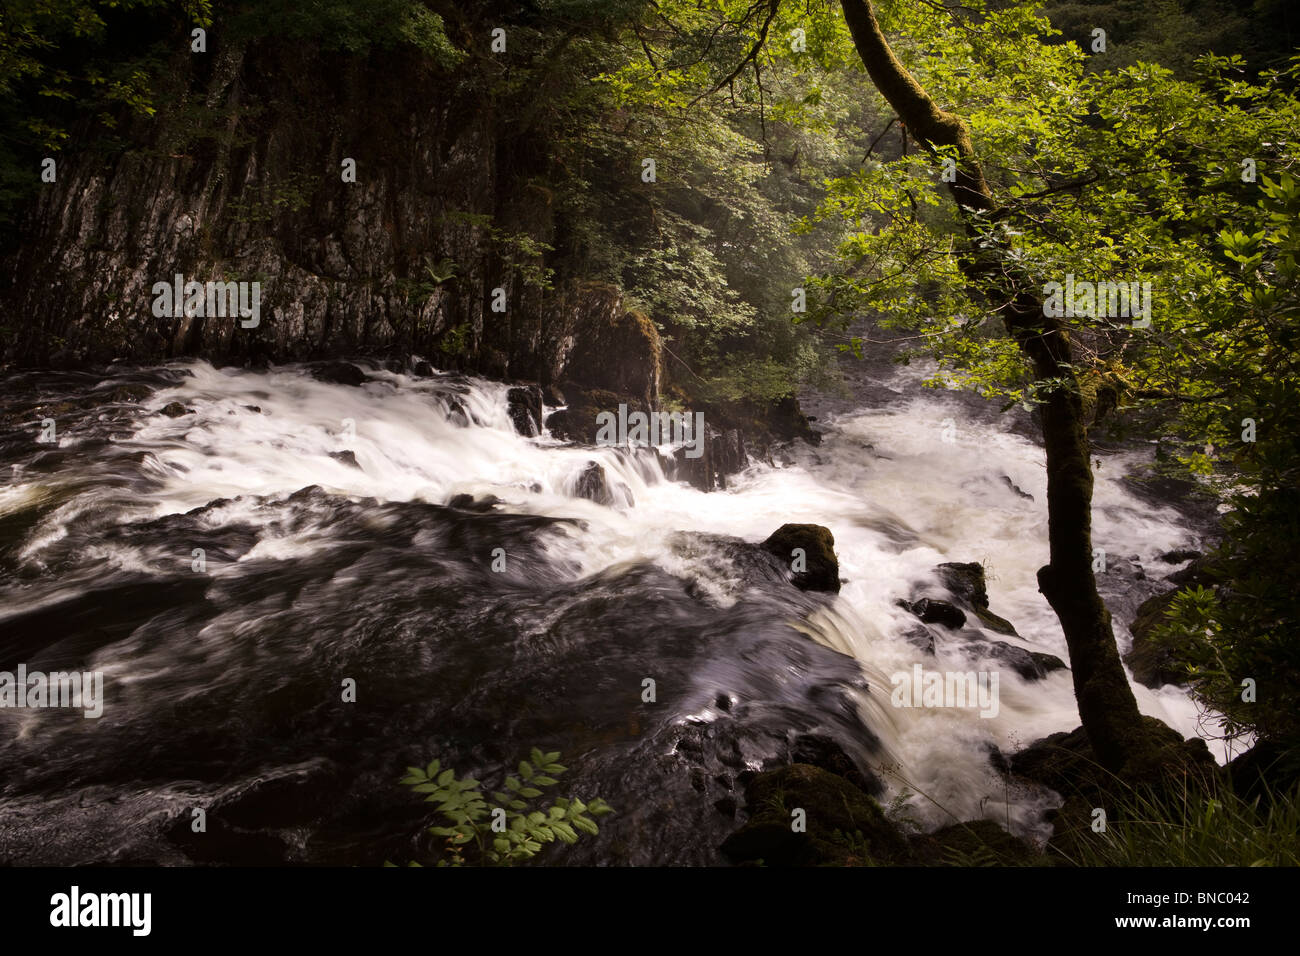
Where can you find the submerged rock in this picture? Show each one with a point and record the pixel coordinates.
(1016, 488)
(809, 551)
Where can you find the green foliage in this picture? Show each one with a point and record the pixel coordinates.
(528, 826)
(1174, 33)
(350, 26)
(61, 60)
(456, 340)
(1248, 624)
(709, 249)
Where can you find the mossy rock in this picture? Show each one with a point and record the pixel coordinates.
(1153, 663)
(999, 625)
(1066, 763)
(975, 843)
(966, 581)
(578, 422)
(820, 568)
(844, 826)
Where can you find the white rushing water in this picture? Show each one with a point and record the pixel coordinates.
(898, 497)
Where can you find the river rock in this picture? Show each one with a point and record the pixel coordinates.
(845, 827)
(966, 580)
(1006, 480)
(524, 404)
(1031, 665)
(130, 393)
(932, 611)
(339, 373)
(593, 484)
(824, 752)
(1153, 664)
(579, 421)
(820, 568)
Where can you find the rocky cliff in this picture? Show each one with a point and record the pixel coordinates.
(241, 177)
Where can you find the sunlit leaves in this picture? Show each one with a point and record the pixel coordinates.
(526, 829)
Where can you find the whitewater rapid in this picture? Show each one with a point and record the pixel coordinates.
(903, 487)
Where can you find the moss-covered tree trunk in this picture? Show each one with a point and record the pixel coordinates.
(1106, 704)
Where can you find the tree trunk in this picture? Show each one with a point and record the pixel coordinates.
(1106, 704)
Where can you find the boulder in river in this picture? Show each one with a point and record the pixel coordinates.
(809, 551)
(593, 484)
(966, 580)
(844, 826)
(524, 404)
(1031, 665)
(932, 611)
(339, 373)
